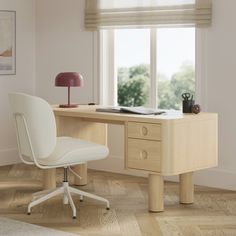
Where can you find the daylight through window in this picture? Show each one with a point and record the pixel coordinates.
(173, 62)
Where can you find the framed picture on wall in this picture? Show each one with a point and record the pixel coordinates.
(7, 42)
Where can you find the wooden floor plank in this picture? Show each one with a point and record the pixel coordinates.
(148, 225)
(128, 223)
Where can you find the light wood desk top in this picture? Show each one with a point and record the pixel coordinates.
(168, 144)
(89, 112)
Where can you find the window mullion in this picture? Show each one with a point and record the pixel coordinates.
(108, 77)
(112, 74)
(153, 68)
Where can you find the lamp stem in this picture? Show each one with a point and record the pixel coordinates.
(68, 96)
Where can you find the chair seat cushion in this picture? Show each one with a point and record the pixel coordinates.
(71, 151)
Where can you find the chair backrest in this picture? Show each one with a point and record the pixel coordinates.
(35, 125)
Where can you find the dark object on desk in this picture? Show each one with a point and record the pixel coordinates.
(187, 106)
(196, 108)
(91, 104)
(132, 110)
(187, 102)
(69, 79)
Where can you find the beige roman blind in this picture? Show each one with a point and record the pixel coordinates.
(105, 14)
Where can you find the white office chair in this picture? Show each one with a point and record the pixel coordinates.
(38, 144)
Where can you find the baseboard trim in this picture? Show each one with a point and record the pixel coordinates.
(215, 177)
(9, 156)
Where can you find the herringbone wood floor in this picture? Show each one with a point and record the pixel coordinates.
(214, 211)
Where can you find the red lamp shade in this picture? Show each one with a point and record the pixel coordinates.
(69, 79)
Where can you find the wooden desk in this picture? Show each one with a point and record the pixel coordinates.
(172, 144)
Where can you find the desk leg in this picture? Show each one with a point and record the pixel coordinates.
(186, 188)
(82, 171)
(49, 178)
(156, 193)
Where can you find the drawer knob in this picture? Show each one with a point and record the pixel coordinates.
(144, 131)
(143, 155)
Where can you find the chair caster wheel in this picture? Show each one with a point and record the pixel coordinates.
(28, 213)
(108, 208)
(74, 217)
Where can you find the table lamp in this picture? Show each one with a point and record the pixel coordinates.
(69, 79)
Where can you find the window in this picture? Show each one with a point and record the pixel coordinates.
(175, 65)
(150, 67)
(132, 58)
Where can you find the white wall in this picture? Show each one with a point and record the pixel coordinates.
(24, 80)
(221, 78)
(61, 46)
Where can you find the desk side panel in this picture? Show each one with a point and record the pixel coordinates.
(189, 144)
(78, 128)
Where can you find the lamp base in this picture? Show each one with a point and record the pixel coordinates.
(68, 106)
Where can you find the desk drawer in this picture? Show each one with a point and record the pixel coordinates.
(144, 131)
(144, 155)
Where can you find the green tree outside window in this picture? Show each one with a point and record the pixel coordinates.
(133, 86)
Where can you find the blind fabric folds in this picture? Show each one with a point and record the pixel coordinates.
(104, 14)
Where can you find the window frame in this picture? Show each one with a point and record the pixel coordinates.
(105, 89)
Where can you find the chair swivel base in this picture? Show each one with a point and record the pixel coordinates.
(66, 190)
